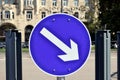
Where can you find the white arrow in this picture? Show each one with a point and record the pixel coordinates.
(71, 53)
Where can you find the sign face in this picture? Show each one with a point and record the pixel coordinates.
(60, 44)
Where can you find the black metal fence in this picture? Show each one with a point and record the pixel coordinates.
(102, 56)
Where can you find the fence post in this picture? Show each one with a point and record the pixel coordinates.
(102, 55)
(19, 56)
(13, 55)
(10, 55)
(118, 56)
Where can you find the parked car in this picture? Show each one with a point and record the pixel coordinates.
(25, 45)
(2, 45)
(114, 44)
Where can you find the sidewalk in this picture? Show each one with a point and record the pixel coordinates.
(31, 72)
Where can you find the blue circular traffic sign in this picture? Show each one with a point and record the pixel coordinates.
(60, 44)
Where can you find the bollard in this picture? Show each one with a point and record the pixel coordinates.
(118, 56)
(60, 78)
(102, 55)
(13, 55)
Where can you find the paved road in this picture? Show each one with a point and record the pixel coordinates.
(31, 72)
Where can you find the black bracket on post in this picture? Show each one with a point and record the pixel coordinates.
(13, 55)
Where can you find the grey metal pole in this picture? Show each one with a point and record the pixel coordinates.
(118, 56)
(60, 78)
(10, 55)
(102, 55)
(61, 6)
(108, 55)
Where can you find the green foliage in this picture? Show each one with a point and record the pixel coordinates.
(25, 49)
(2, 50)
(110, 14)
(91, 27)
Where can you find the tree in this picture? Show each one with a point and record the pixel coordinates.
(109, 15)
(92, 16)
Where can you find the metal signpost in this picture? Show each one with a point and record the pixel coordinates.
(61, 6)
(60, 45)
(61, 78)
(102, 55)
(13, 55)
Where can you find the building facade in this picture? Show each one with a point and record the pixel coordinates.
(25, 14)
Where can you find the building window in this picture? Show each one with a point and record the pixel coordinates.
(43, 2)
(0, 2)
(6, 1)
(65, 2)
(28, 2)
(25, 2)
(86, 3)
(54, 2)
(29, 15)
(76, 2)
(1, 16)
(28, 30)
(43, 14)
(31, 2)
(7, 14)
(76, 14)
(13, 15)
(9, 1)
